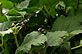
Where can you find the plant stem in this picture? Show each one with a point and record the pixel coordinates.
(78, 4)
(16, 41)
(46, 10)
(39, 51)
(4, 44)
(45, 50)
(76, 47)
(1, 9)
(6, 50)
(30, 51)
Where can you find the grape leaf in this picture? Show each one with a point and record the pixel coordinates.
(55, 38)
(34, 38)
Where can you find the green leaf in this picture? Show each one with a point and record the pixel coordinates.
(14, 15)
(34, 38)
(5, 25)
(15, 18)
(55, 38)
(72, 34)
(76, 32)
(70, 23)
(23, 4)
(33, 9)
(34, 3)
(23, 13)
(3, 19)
(62, 4)
(72, 3)
(52, 10)
(13, 12)
(80, 42)
(7, 4)
(16, 1)
(50, 4)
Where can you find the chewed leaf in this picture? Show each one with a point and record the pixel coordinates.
(34, 38)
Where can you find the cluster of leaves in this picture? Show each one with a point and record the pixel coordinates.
(40, 27)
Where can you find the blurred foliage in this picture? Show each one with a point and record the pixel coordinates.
(40, 26)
